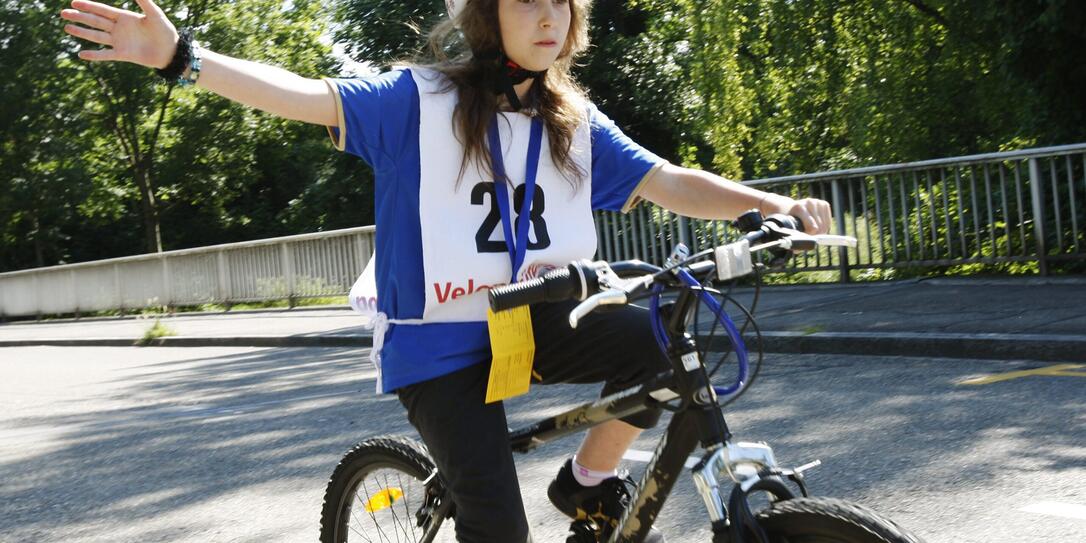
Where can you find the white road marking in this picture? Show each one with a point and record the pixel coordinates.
(1057, 509)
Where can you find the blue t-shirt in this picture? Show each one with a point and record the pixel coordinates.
(439, 243)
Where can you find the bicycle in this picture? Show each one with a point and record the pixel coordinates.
(391, 483)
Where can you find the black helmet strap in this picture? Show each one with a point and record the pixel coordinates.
(507, 74)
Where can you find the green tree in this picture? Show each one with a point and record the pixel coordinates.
(162, 133)
(41, 139)
(791, 87)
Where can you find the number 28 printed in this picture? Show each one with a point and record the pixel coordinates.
(484, 244)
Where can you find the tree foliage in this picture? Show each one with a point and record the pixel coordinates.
(792, 87)
(102, 160)
(105, 160)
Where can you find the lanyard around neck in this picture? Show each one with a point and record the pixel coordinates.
(518, 248)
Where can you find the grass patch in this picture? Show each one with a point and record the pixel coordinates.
(158, 310)
(157, 330)
(272, 304)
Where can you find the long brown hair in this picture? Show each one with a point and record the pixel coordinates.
(556, 97)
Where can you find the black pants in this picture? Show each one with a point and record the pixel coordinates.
(469, 439)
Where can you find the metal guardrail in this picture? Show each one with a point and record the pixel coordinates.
(292, 267)
(1026, 207)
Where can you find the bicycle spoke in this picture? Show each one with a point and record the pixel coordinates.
(355, 530)
(392, 508)
(354, 518)
(407, 513)
(373, 517)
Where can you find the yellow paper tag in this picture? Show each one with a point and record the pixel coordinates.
(513, 347)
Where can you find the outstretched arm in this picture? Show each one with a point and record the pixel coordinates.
(702, 195)
(150, 39)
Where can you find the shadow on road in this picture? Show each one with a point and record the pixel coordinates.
(172, 434)
(198, 431)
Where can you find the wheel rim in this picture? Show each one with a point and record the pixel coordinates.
(380, 506)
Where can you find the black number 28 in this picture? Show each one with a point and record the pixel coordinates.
(483, 244)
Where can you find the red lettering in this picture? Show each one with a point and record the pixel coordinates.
(442, 298)
(449, 292)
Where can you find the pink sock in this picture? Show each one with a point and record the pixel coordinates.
(589, 477)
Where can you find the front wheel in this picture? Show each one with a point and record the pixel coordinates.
(828, 520)
(384, 489)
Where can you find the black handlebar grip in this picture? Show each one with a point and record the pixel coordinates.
(799, 224)
(790, 222)
(557, 285)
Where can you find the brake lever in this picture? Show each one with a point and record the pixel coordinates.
(608, 297)
(800, 241)
(829, 240)
(615, 290)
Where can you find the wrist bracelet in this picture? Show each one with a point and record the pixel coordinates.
(194, 67)
(183, 59)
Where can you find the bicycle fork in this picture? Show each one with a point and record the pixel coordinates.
(698, 420)
(747, 465)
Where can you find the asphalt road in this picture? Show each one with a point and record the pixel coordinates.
(236, 444)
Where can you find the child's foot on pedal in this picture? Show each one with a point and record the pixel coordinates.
(603, 503)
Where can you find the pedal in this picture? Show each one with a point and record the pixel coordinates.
(582, 531)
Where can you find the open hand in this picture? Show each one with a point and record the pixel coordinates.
(148, 38)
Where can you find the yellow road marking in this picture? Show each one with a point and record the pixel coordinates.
(1059, 370)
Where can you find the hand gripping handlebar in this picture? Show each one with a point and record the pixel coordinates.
(595, 284)
(577, 281)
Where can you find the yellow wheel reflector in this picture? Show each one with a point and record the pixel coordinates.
(383, 499)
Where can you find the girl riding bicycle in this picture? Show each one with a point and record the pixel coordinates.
(488, 166)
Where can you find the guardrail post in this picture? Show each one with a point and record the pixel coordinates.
(37, 297)
(1037, 196)
(839, 218)
(74, 292)
(360, 241)
(167, 299)
(224, 279)
(117, 288)
(684, 231)
(287, 264)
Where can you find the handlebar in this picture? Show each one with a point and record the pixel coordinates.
(600, 283)
(574, 282)
(583, 280)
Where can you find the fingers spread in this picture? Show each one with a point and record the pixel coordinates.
(109, 12)
(89, 19)
(95, 36)
(98, 55)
